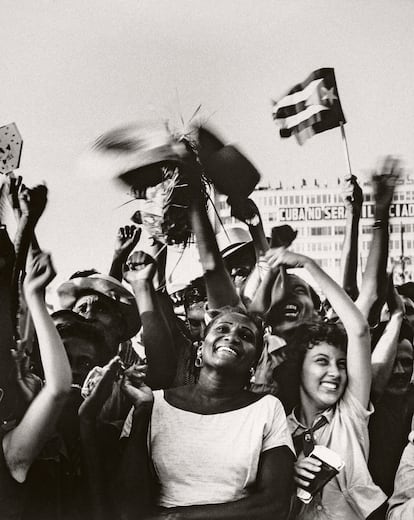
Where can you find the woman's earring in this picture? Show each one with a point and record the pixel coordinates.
(198, 360)
(252, 372)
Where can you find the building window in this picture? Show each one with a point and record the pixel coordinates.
(320, 231)
(339, 230)
(366, 230)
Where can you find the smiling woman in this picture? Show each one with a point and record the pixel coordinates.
(218, 450)
(327, 378)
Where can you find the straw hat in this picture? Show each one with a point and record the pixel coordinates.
(70, 292)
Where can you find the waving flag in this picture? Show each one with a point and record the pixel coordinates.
(309, 107)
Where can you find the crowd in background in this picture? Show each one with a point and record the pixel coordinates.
(239, 378)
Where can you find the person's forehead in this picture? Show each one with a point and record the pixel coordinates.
(296, 281)
(235, 318)
(327, 349)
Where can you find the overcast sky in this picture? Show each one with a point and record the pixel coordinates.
(72, 69)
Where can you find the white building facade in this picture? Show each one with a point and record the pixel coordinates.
(318, 214)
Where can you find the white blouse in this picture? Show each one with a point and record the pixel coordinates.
(208, 459)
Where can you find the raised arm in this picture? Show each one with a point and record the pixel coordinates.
(385, 351)
(353, 199)
(356, 326)
(159, 349)
(373, 289)
(220, 288)
(22, 445)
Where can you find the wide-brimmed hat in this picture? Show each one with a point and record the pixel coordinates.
(233, 238)
(70, 292)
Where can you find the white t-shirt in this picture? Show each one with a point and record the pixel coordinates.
(207, 459)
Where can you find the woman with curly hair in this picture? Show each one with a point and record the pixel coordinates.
(327, 378)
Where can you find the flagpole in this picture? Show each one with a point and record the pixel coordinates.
(346, 151)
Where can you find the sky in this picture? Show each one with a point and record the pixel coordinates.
(70, 70)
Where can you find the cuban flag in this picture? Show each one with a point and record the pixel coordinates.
(309, 107)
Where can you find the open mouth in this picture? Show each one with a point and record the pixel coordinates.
(330, 386)
(228, 350)
(290, 311)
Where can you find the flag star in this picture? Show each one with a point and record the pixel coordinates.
(328, 95)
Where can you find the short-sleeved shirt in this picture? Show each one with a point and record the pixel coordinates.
(206, 459)
(12, 493)
(351, 494)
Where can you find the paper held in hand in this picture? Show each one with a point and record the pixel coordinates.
(11, 143)
(331, 466)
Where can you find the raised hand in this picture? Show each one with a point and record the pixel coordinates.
(245, 210)
(134, 387)
(28, 382)
(97, 388)
(40, 273)
(126, 240)
(280, 256)
(384, 182)
(32, 202)
(139, 267)
(15, 185)
(352, 195)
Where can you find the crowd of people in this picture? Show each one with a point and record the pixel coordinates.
(248, 371)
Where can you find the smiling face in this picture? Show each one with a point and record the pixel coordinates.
(402, 370)
(294, 305)
(323, 377)
(230, 344)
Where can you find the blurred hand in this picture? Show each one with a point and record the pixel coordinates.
(28, 382)
(134, 387)
(305, 471)
(352, 195)
(99, 389)
(33, 202)
(384, 182)
(139, 266)
(278, 257)
(126, 240)
(14, 187)
(40, 272)
(245, 210)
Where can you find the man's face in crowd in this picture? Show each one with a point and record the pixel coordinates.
(82, 355)
(240, 264)
(402, 370)
(409, 310)
(104, 314)
(292, 304)
(195, 320)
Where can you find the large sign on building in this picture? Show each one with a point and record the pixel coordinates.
(302, 213)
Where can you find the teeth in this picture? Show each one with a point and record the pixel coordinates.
(228, 349)
(291, 307)
(330, 386)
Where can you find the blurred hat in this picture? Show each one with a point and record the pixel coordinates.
(231, 239)
(229, 170)
(282, 236)
(70, 292)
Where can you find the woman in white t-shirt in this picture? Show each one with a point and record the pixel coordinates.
(217, 450)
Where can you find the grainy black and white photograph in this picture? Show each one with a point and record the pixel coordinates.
(207, 260)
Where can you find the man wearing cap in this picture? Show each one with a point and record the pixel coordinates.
(104, 302)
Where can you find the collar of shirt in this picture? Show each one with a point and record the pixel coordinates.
(300, 428)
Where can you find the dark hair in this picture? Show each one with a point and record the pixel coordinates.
(217, 314)
(306, 336)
